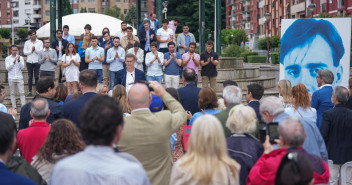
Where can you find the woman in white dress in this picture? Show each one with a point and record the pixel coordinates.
(71, 62)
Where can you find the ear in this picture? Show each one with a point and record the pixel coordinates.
(13, 146)
(48, 114)
(31, 114)
(339, 73)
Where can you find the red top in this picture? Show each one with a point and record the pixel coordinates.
(264, 171)
(29, 140)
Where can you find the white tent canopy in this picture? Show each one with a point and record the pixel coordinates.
(77, 21)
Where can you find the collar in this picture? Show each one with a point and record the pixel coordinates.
(186, 34)
(90, 92)
(253, 101)
(140, 109)
(238, 135)
(39, 124)
(48, 49)
(326, 85)
(99, 149)
(95, 48)
(133, 72)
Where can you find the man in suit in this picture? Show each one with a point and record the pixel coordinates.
(127, 77)
(189, 93)
(7, 148)
(232, 96)
(88, 83)
(321, 99)
(146, 37)
(336, 130)
(153, 23)
(60, 46)
(147, 135)
(254, 94)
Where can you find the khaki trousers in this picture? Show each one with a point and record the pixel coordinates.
(207, 79)
(106, 73)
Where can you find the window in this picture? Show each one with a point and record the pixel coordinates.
(323, 8)
(125, 11)
(27, 2)
(47, 13)
(15, 13)
(91, 10)
(47, 1)
(15, 21)
(75, 10)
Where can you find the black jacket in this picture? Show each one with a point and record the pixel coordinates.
(336, 129)
(189, 97)
(142, 34)
(56, 43)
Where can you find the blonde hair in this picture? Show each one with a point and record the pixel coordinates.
(86, 43)
(100, 87)
(119, 94)
(286, 87)
(207, 150)
(242, 119)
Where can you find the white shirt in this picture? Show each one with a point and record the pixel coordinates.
(129, 80)
(120, 34)
(139, 58)
(326, 85)
(32, 57)
(60, 52)
(152, 25)
(15, 70)
(164, 35)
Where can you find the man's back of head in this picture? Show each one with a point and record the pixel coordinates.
(326, 75)
(100, 118)
(256, 90)
(340, 95)
(7, 135)
(292, 133)
(232, 95)
(45, 83)
(272, 105)
(88, 78)
(139, 96)
(189, 75)
(40, 109)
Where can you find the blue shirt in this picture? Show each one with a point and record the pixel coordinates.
(147, 43)
(93, 52)
(99, 165)
(187, 42)
(102, 44)
(115, 64)
(3, 108)
(80, 49)
(69, 38)
(154, 69)
(172, 68)
(206, 111)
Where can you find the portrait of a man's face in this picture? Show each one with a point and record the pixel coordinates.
(309, 45)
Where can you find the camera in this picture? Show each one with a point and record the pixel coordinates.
(270, 129)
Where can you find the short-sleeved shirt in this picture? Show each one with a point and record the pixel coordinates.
(93, 52)
(164, 35)
(209, 69)
(172, 68)
(191, 63)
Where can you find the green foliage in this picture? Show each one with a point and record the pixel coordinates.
(262, 44)
(66, 8)
(122, 17)
(245, 54)
(5, 33)
(226, 36)
(232, 51)
(274, 42)
(257, 59)
(113, 12)
(132, 15)
(323, 15)
(83, 10)
(275, 57)
(22, 33)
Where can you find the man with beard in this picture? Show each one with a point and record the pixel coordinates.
(123, 31)
(191, 59)
(60, 46)
(115, 57)
(128, 41)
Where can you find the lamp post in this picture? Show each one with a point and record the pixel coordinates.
(267, 17)
(232, 38)
(165, 3)
(311, 8)
(243, 24)
(12, 27)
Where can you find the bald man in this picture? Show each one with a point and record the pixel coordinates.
(147, 135)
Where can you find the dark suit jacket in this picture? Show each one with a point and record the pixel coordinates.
(73, 108)
(336, 129)
(56, 43)
(255, 105)
(121, 76)
(189, 97)
(8, 177)
(142, 34)
(321, 101)
(349, 103)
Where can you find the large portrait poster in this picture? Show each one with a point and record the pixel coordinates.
(308, 45)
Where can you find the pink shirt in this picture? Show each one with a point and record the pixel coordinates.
(191, 63)
(173, 27)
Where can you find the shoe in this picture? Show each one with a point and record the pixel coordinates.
(29, 94)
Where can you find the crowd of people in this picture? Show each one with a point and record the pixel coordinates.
(113, 122)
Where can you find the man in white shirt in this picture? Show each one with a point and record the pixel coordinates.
(32, 48)
(123, 31)
(115, 57)
(154, 60)
(164, 36)
(14, 65)
(95, 57)
(139, 54)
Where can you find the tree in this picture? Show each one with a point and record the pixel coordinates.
(113, 12)
(274, 42)
(66, 8)
(83, 10)
(5, 33)
(132, 15)
(226, 36)
(22, 33)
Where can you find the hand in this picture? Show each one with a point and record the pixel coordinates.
(117, 55)
(211, 58)
(185, 47)
(158, 88)
(267, 146)
(62, 47)
(146, 37)
(47, 57)
(57, 48)
(174, 55)
(192, 57)
(171, 37)
(95, 58)
(171, 56)
(18, 58)
(12, 111)
(33, 48)
(189, 115)
(152, 36)
(72, 61)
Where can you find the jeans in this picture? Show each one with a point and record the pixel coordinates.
(155, 78)
(32, 68)
(172, 81)
(20, 87)
(113, 75)
(100, 74)
(47, 73)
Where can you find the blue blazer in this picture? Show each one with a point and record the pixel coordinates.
(8, 177)
(141, 26)
(142, 34)
(121, 76)
(321, 101)
(189, 97)
(255, 106)
(73, 108)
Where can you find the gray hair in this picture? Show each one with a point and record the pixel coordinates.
(272, 105)
(39, 108)
(341, 93)
(232, 94)
(326, 75)
(292, 131)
